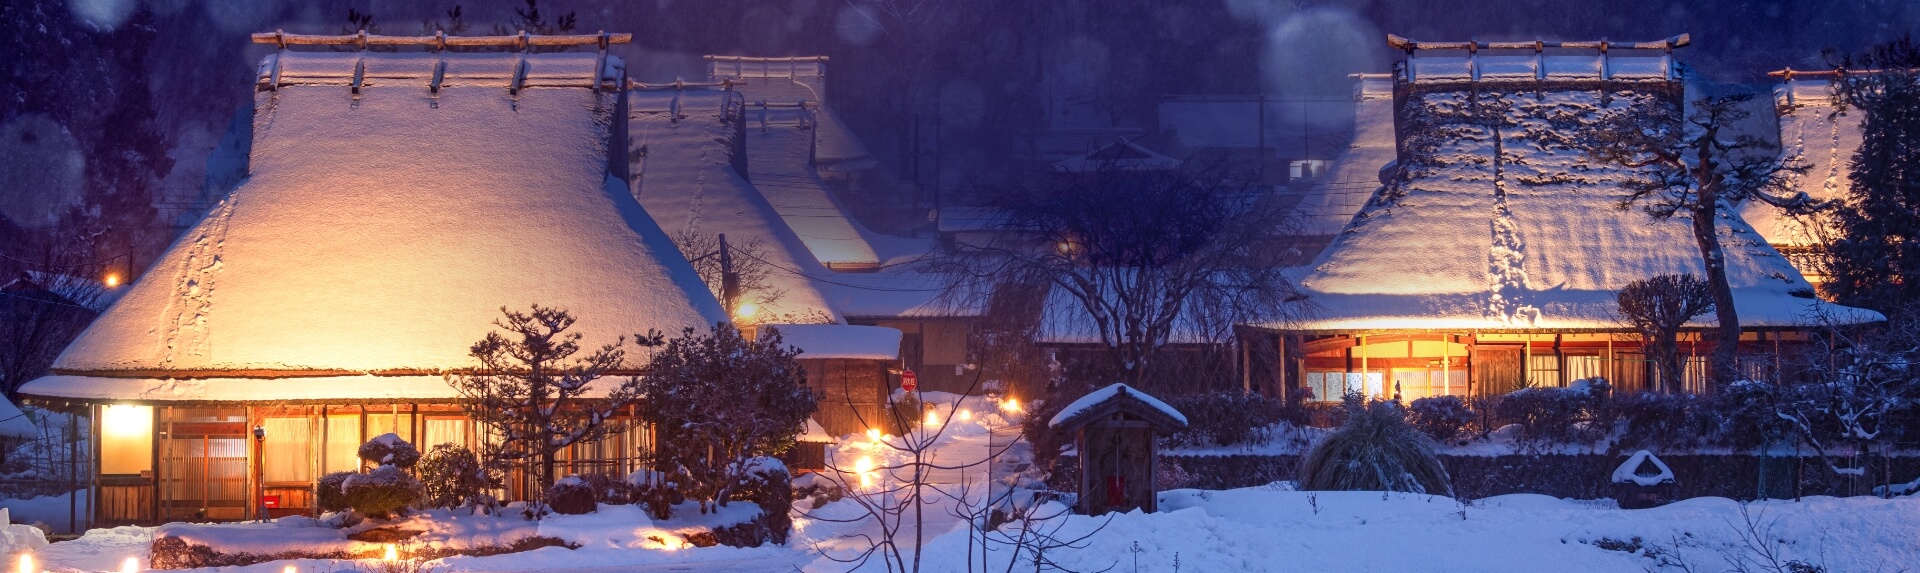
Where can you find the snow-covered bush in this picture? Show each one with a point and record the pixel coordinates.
(389, 450)
(571, 496)
(327, 494)
(655, 491)
(1662, 422)
(718, 400)
(1375, 450)
(1441, 417)
(452, 476)
(381, 493)
(1225, 418)
(1554, 415)
(766, 482)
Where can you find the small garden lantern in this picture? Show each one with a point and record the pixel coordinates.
(1114, 429)
(1642, 481)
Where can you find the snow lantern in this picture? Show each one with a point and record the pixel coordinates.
(1642, 481)
(1114, 431)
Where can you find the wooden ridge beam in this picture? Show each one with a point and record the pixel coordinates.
(522, 40)
(1402, 43)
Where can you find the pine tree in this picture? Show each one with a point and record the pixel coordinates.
(1876, 261)
(719, 399)
(534, 396)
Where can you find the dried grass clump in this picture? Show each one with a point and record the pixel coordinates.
(1375, 450)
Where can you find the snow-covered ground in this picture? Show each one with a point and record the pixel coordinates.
(1269, 528)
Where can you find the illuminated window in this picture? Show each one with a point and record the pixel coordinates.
(126, 439)
(1306, 169)
(343, 443)
(286, 449)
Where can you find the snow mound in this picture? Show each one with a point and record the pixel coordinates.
(17, 538)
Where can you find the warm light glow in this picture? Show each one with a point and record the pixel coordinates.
(863, 465)
(393, 552)
(873, 435)
(26, 563)
(289, 569)
(131, 565)
(113, 280)
(932, 419)
(126, 445)
(866, 481)
(126, 420)
(1011, 405)
(964, 414)
(746, 310)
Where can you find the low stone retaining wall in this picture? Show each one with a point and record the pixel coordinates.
(1585, 476)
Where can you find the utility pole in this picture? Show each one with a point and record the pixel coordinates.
(938, 150)
(913, 229)
(729, 282)
(1260, 131)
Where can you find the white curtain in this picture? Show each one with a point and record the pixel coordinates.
(343, 443)
(443, 431)
(286, 449)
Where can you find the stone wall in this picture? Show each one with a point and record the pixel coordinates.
(1586, 476)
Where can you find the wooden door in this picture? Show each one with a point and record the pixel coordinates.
(205, 476)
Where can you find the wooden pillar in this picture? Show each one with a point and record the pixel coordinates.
(1280, 366)
(158, 438)
(1560, 358)
(1446, 365)
(1246, 372)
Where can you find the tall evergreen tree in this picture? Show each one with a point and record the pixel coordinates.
(1876, 261)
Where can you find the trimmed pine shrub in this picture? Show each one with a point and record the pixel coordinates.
(390, 450)
(381, 493)
(1375, 450)
(327, 494)
(1442, 418)
(571, 496)
(452, 476)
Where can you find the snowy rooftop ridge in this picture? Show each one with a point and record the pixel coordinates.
(1117, 392)
(383, 231)
(1549, 61)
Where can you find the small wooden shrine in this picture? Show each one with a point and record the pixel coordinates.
(1114, 429)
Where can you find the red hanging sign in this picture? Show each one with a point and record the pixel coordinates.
(909, 380)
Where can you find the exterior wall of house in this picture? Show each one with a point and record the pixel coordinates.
(203, 463)
(853, 394)
(1418, 365)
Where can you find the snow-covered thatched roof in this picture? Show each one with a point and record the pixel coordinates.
(1535, 241)
(1815, 130)
(792, 134)
(379, 234)
(685, 177)
(1327, 206)
(14, 423)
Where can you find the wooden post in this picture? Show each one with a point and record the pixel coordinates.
(1280, 366)
(1246, 366)
(1560, 358)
